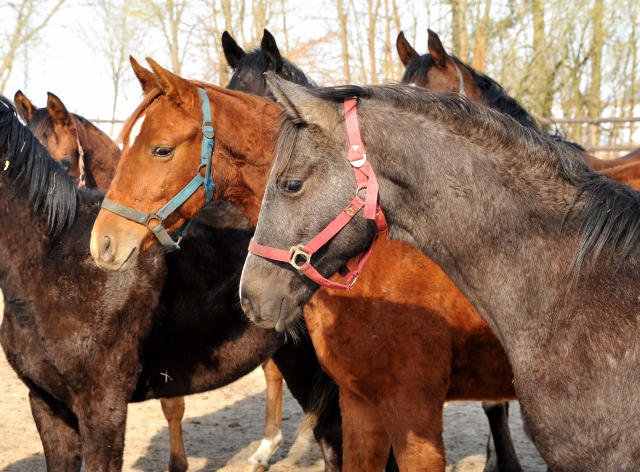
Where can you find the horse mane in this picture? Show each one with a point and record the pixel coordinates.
(491, 91)
(52, 191)
(607, 211)
(249, 71)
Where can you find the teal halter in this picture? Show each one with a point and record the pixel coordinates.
(184, 194)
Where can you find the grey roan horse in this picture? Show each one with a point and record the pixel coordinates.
(542, 247)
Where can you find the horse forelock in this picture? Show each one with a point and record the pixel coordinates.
(51, 190)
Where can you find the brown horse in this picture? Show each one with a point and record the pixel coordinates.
(56, 129)
(535, 239)
(441, 72)
(430, 342)
(83, 150)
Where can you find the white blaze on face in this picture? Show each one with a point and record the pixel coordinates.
(135, 130)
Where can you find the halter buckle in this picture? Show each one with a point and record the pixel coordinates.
(299, 251)
(208, 134)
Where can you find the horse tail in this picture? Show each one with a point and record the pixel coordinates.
(323, 403)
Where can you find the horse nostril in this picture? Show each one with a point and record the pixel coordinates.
(107, 250)
(246, 305)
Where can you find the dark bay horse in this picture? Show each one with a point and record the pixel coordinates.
(453, 353)
(66, 136)
(441, 72)
(83, 150)
(87, 342)
(542, 246)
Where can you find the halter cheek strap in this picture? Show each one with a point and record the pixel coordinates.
(153, 220)
(82, 183)
(459, 74)
(365, 178)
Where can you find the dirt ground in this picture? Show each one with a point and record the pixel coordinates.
(222, 428)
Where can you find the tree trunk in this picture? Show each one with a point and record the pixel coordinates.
(634, 64)
(593, 104)
(373, 19)
(459, 27)
(388, 62)
(342, 18)
(479, 49)
(541, 87)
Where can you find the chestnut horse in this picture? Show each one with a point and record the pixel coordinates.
(441, 72)
(86, 342)
(83, 150)
(431, 343)
(534, 238)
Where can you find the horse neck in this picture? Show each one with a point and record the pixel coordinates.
(246, 128)
(20, 223)
(481, 216)
(101, 154)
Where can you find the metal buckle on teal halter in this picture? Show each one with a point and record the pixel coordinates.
(158, 230)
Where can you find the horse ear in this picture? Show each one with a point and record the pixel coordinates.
(439, 55)
(405, 50)
(25, 107)
(56, 108)
(232, 50)
(301, 105)
(176, 88)
(145, 76)
(270, 49)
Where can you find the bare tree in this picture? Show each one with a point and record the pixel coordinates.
(342, 18)
(373, 6)
(169, 18)
(21, 22)
(119, 37)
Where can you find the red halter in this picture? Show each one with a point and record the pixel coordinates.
(365, 178)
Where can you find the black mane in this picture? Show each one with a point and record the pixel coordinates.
(607, 211)
(490, 91)
(248, 76)
(51, 190)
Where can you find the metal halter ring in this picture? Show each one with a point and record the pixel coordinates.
(299, 251)
(205, 132)
(150, 217)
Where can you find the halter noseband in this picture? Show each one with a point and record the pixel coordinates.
(159, 216)
(365, 178)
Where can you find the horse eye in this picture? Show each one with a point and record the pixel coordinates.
(162, 151)
(292, 185)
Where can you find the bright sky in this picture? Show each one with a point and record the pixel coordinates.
(65, 64)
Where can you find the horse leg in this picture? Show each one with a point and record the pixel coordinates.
(272, 437)
(416, 439)
(365, 441)
(314, 390)
(173, 409)
(501, 454)
(102, 418)
(58, 429)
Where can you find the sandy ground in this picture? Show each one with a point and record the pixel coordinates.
(222, 428)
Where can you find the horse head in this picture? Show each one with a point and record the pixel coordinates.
(436, 70)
